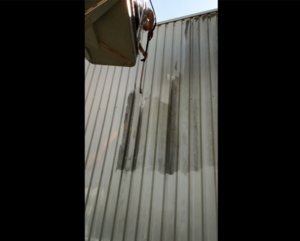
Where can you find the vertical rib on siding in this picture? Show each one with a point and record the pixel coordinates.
(151, 160)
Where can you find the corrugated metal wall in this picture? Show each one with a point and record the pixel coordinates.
(151, 160)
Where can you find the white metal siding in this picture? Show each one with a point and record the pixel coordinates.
(151, 160)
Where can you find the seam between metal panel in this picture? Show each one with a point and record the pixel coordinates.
(104, 159)
(168, 137)
(131, 177)
(135, 146)
(128, 199)
(123, 163)
(87, 94)
(126, 151)
(115, 214)
(166, 149)
(151, 203)
(159, 113)
(201, 131)
(93, 99)
(95, 121)
(130, 182)
(111, 173)
(211, 106)
(189, 130)
(99, 141)
(179, 97)
(178, 131)
(147, 130)
(192, 85)
(131, 174)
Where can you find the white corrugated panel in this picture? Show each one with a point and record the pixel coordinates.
(151, 159)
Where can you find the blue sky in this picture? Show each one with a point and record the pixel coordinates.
(169, 9)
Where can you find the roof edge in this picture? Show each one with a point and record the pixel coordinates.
(188, 16)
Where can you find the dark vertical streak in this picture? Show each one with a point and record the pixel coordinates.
(137, 142)
(126, 132)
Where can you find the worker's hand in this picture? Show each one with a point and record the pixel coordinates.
(145, 55)
(150, 34)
